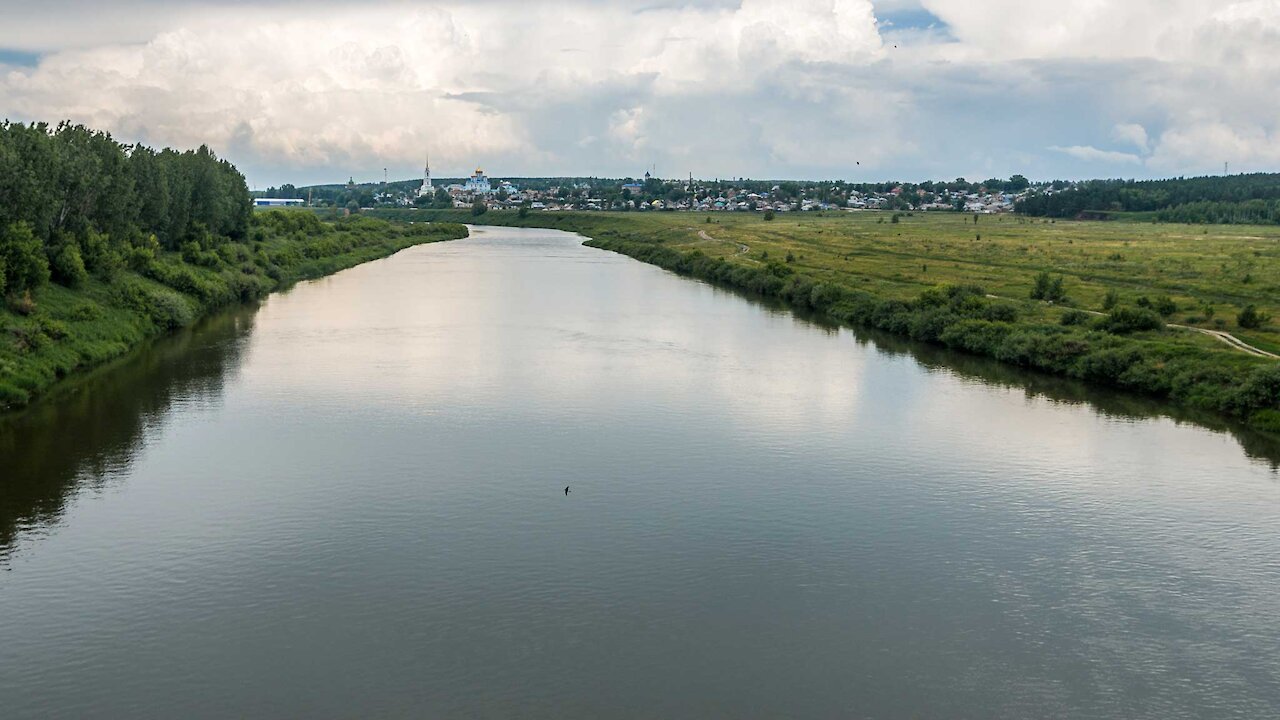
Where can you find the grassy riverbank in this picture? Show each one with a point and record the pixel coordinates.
(57, 330)
(946, 279)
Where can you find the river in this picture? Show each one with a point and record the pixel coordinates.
(349, 502)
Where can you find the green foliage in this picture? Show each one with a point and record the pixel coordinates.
(67, 267)
(1111, 299)
(478, 208)
(1165, 306)
(85, 311)
(1075, 317)
(1253, 199)
(1123, 320)
(1268, 420)
(1048, 288)
(768, 215)
(1251, 318)
(25, 265)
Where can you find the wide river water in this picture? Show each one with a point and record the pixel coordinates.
(349, 503)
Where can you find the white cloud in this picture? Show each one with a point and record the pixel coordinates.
(1088, 153)
(1131, 134)
(292, 90)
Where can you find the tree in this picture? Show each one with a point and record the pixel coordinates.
(442, 199)
(478, 208)
(1048, 288)
(67, 267)
(25, 265)
(768, 215)
(1250, 318)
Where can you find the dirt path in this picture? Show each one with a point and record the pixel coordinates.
(1231, 340)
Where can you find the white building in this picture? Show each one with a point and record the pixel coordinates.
(426, 190)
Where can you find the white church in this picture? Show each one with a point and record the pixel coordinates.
(426, 190)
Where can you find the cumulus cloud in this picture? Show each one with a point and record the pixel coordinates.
(815, 88)
(1131, 134)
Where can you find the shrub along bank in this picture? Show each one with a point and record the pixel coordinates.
(1126, 348)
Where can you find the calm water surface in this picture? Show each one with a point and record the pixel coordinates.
(350, 503)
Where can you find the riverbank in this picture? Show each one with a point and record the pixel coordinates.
(974, 296)
(59, 331)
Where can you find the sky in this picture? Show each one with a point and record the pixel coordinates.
(862, 90)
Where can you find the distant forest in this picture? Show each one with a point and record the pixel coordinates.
(1251, 198)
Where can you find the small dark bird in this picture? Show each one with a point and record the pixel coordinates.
(566, 489)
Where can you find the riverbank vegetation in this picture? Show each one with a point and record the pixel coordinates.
(1092, 301)
(103, 246)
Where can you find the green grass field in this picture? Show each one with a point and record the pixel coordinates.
(1220, 267)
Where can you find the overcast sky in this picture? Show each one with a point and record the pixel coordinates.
(852, 89)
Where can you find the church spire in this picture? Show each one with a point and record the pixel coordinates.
(426, 188)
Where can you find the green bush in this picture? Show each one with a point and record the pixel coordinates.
(85, 311)
(1123, 320)
(1074, 317)
(11, 396)
(1110, 300)
(1268, 420)
(1048, 288)
(25, 264)
(67, 267)
(1251, 318)
(54, 329)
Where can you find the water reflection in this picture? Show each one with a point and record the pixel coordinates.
(1104, 402)
(89, 431)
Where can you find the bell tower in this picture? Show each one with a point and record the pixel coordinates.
(426, 188)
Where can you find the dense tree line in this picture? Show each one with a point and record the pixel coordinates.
(1251, 198)
(73, 200)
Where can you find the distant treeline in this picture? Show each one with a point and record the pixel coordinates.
(80, 198)
(1251, 198)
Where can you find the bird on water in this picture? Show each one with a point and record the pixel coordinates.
(566, 489)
